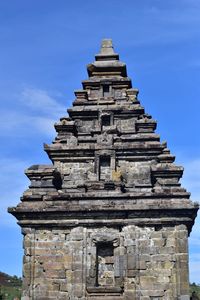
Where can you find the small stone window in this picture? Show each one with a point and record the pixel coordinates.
(106, 267)
(57, 180)
(105, 120)
(105, 264)
(106, 90)
(105, 167)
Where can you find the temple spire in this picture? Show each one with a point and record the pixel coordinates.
(107, 51)
(107, 63)
(108, 219)
(107, 47)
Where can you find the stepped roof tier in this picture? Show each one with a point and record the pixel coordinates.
(108, 164)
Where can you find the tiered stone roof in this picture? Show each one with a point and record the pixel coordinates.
(108, 164)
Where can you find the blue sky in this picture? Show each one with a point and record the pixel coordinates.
(45, 46)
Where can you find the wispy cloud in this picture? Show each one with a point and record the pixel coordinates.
(35, 113)
(35, 110)
(40, 101)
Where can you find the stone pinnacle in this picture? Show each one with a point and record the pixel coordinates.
(107, 47)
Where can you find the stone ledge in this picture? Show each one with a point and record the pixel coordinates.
(104, 289)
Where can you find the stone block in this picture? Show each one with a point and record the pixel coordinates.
(131, 261)
(77, 277)
(147, 282)
(130, 284)
(119, 265)
(55, 273)
(67, 261)
(142, 265)
(129, 295)
(185, 297)
(153, 294)
(132, 273)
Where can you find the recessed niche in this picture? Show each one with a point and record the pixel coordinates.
(105, 120)
(105, 264)
(105, 167)
(106, 90)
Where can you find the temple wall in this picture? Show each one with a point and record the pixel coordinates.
(77, 173)
(135, 172)
(145, 263)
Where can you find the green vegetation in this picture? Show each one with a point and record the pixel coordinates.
(10, 287)
(10, 293)
(195, 290)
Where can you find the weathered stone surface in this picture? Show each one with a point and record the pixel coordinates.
(109, 218)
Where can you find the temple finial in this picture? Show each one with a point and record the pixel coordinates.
(107, 47)
(107, 52)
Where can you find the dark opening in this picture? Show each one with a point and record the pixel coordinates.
(105, 161)
(104, 253)
(105, 249)
(57, 180)
(104, 168)
(105, 120)
(158, 227)
(106, 90)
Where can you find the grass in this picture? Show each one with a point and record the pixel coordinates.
(10, 292)
(195, 288)
(10, 287)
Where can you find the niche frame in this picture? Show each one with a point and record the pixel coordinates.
(110, 238)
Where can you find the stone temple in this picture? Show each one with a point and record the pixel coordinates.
(108, 219)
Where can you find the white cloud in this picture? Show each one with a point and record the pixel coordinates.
(15, 124)
(40, 101)
(35, 112)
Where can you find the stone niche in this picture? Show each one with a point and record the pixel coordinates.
(106, 263)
